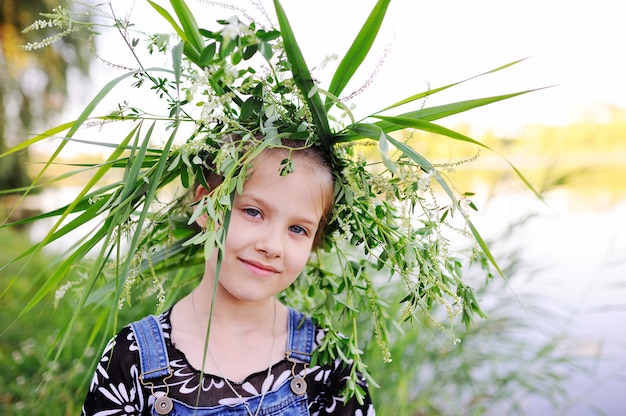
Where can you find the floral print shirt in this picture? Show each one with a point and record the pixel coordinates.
(116, 389)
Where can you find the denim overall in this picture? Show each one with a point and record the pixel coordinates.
(154, 363)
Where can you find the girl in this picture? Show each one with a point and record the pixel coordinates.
(257, 360)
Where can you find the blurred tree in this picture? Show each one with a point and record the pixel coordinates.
(33, 84)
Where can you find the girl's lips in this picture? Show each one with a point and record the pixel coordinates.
(259, 269)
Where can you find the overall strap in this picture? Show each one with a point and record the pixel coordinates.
(153, 356)
(301, 336)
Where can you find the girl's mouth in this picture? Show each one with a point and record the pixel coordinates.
(259, 269)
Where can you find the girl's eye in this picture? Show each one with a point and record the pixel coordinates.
(252, 212)
(298, 230)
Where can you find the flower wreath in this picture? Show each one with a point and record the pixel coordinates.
(253, 82)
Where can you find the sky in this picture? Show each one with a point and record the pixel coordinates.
(574, 47)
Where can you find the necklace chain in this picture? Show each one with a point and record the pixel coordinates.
(269, 369)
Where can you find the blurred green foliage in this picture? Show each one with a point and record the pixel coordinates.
(32, 380)
(588, 155)
(35, 378)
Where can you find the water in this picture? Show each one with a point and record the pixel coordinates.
(580, 249)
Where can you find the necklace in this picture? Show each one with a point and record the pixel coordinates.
(269, 369)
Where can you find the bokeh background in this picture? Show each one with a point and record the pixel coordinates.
(554, 342)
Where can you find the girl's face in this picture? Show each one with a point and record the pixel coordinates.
(272, 229)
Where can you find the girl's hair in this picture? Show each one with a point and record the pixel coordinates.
(297, 150)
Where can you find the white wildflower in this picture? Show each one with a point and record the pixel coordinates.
(28, 346)
(17, 357)
(328, 59)
(232, 29)
(47, 41)
(423, 183)
(61, 291)
(230, 73)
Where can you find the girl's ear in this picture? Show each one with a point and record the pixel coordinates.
(201, 191)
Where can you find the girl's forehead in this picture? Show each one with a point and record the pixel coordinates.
(274, 160)
(267, 166)
(309, 173)
(265, 172)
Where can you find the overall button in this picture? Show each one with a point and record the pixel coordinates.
(298, 385)
(163, 405)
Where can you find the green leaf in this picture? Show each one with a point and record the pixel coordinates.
(170, 19)
(133, 167)
(430, 92)
(94, 180)
(252, 106)
(189, 24)
(207, 54)
(383, 149)
(249, 52)
(303, 79)
(358, 50)
(434, 113)
(42, 136)
(404, 122)
(62, 270)
(227, 47)
(266, 50)
(177, 57)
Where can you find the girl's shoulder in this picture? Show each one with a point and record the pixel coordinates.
(163, 320)
(124, 343)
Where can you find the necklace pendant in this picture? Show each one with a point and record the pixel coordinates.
(298, 385)
(163, 405)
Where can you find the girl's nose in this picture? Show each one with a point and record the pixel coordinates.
(270, 243)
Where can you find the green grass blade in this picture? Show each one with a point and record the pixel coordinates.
(302, 77)
(411, 153)
(77, 201)
(72, 126)
(90, 184)
(403, 122)
(77, 205)
(170, 19)
(54, 155)
(81, 206)
(62, 270)
(135, 163)
(87, 215)
(153, 185)
(133, 193)
(48, 133)
(96, 272)
(358, 50)
(438, 112)
(99, 97)
(190, 26)
(434, 113)
(426, 93)
(177, 61)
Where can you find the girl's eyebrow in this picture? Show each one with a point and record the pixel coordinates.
(249, 197)
(306, 221)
